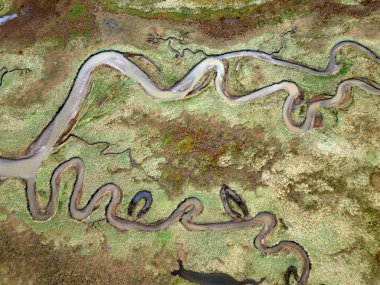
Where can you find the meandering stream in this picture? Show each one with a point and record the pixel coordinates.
(26, 167)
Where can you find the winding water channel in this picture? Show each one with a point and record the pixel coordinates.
(26, 167)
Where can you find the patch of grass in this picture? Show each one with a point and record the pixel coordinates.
(185, 145)
(347, 66)
(289, 13)
(56, 40)
(201, 13)
(163, 238)
(205, 13)
(174, 180)
(3, 217)
(167, 138)
(6, 6)
(86, 34)
(76, 11)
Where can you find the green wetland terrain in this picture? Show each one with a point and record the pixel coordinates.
(190, 142)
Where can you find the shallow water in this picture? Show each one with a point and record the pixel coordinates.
(7, 18)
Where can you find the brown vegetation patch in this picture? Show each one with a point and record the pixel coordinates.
(56, 69)
(206, 152)
(317, 199)
(375, 178)
(26, 259)
(367, 129)
(277, 12)
(328, 9)
(45, 18)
